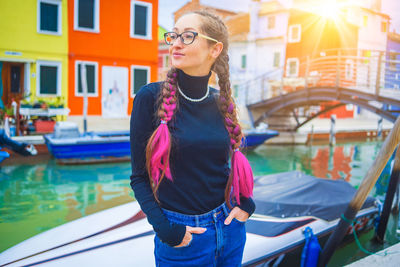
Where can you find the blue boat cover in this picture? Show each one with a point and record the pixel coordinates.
(295, 194)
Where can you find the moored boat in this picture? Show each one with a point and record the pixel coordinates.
(69, 146)
(286, 204)
(3, 155)
(257, 136)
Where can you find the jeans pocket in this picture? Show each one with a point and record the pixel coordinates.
(236, 220)
(188, 245)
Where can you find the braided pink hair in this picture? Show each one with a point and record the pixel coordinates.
(159, 145)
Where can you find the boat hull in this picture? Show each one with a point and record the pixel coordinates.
(254, 139)
(90, 148)
(112, 238)
(286, 203)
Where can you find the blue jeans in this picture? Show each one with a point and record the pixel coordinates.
(221, 245)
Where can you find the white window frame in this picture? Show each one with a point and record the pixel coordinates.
(96, 18)
(268, 22)
(289, 60)
(349, 66)
(57, 64)
(149, 34)
(290, 39)
(142, 67)
(59, 22)
(96, 78)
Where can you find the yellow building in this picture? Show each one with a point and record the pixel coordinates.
(33, 51)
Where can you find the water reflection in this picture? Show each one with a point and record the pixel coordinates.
(349, 161)
(37, 197)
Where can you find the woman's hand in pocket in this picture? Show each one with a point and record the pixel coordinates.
(238, 214)
(188, 235)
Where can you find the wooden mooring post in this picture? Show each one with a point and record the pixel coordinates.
(369, 181)
(387, 206)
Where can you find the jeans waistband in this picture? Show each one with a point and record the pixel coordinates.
(204, 219)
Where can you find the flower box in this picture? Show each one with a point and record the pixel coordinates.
(43, 126)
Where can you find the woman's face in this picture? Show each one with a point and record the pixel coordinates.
(196, 58)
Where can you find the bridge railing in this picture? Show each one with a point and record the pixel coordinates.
(373, 72)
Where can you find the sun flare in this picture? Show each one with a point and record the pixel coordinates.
(329, 9)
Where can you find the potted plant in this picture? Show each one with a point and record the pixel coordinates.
(25, 103)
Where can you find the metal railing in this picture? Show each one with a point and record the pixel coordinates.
(366, 71)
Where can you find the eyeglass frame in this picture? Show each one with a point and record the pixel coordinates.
(194, 38)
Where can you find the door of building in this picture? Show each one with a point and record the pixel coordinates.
(12, 79)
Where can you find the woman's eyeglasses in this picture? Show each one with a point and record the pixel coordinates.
(187, 37)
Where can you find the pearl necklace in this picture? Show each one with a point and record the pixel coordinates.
(192, 99)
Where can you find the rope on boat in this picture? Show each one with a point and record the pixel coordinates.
(379, 253)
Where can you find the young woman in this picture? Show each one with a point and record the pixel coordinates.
(183, 135)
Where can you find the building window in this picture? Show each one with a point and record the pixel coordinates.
(140, 77)
(91, 78)
(294, 33)
(141, 13)
(365, 20)
(48, 78)
(392, 60)
(292, 68)
(383, 26)
(236, 91)
(271, 22)
(277, 59)
(49, 17)
(86, 15)
(166, 61)
(349, 69)
(243, 62)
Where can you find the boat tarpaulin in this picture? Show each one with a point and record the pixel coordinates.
(295, 194)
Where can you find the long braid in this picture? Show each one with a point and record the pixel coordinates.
(241, 175)
(158, 148)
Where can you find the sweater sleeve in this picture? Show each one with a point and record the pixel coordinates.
(141, 128)
(247, 204)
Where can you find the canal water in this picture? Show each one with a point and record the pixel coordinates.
(39, 195)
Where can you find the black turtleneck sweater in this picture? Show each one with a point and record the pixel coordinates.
(199, 158)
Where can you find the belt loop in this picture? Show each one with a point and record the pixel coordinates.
(225, 208)
(197, 221)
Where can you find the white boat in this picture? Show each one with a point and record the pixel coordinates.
(121, 236)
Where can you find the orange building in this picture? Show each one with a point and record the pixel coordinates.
(117, 42)
(314, 38)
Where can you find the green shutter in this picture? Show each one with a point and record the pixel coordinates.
(243, 61)
(86, 14)
(140, 26)
(276, 59)
(139, 79)
(48, 17)
(90, 78)
(48, 80)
